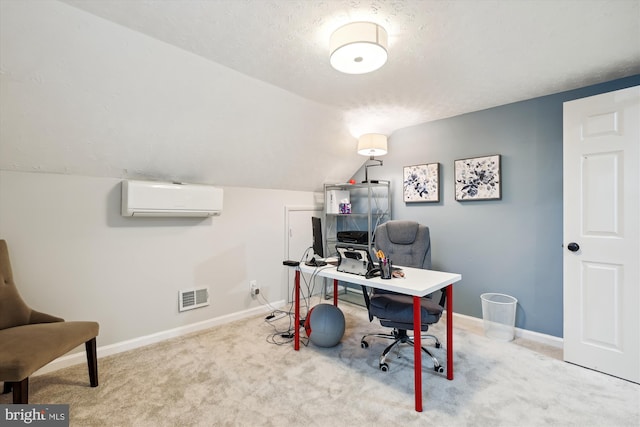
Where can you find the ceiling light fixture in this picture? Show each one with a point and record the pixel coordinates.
(372, 144)
(358, 48)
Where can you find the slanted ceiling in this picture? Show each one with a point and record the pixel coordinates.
(241, 93)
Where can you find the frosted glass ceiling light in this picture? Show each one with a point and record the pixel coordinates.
(358, 48)
(372, 144)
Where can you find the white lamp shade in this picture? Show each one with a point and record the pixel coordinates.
(372, 144)
(358, 48)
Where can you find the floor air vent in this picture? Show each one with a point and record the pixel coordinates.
(193, 298)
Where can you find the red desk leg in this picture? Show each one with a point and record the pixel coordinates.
(417, 352)
(450, 332)
(296, 327)
(335, 292)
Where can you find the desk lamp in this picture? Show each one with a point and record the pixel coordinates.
(372, 144)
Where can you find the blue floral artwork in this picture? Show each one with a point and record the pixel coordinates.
(421, 183)
(478, 178)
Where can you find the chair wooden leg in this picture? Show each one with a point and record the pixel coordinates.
(6, 388)
(92, 361)
(20, 391)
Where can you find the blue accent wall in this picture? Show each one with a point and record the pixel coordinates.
(512, 245)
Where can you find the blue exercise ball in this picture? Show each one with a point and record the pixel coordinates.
(325, 325)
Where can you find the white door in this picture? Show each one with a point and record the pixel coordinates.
(299, 239)
(602, 233)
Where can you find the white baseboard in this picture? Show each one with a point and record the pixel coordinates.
(80, 357)
(538, 337)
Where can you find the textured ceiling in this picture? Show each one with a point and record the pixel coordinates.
(240, 92)
(445, 57)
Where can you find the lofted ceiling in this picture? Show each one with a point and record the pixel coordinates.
(445, 58)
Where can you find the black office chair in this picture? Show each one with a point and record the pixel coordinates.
(405, 243)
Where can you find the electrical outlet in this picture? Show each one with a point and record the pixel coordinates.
(253, 286)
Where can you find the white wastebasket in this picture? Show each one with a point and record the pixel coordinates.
(499, 315)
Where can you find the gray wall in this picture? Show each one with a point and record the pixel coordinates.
(513, 245)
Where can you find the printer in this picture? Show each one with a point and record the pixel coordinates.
(353, 237)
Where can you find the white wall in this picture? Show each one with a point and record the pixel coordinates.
(73, 255)
(80, 95)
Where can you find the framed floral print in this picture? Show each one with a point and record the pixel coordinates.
(478, 178)
(421, 183)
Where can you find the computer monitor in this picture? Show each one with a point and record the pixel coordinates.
(318, 244)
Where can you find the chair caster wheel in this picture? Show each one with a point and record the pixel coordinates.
(384, 367)
(439, 369)
(364, 344)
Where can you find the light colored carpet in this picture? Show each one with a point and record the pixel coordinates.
(232, 376)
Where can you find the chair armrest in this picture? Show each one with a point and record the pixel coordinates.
(37, 317)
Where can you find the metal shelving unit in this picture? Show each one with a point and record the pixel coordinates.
(370, 206)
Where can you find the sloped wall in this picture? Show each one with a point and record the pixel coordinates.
(84, 96)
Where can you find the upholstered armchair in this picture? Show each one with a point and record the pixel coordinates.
(30, 339)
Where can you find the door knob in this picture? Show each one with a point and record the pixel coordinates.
(573, 246)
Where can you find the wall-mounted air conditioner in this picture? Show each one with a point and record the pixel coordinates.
(164, 199)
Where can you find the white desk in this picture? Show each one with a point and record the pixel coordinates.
(417, 283)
